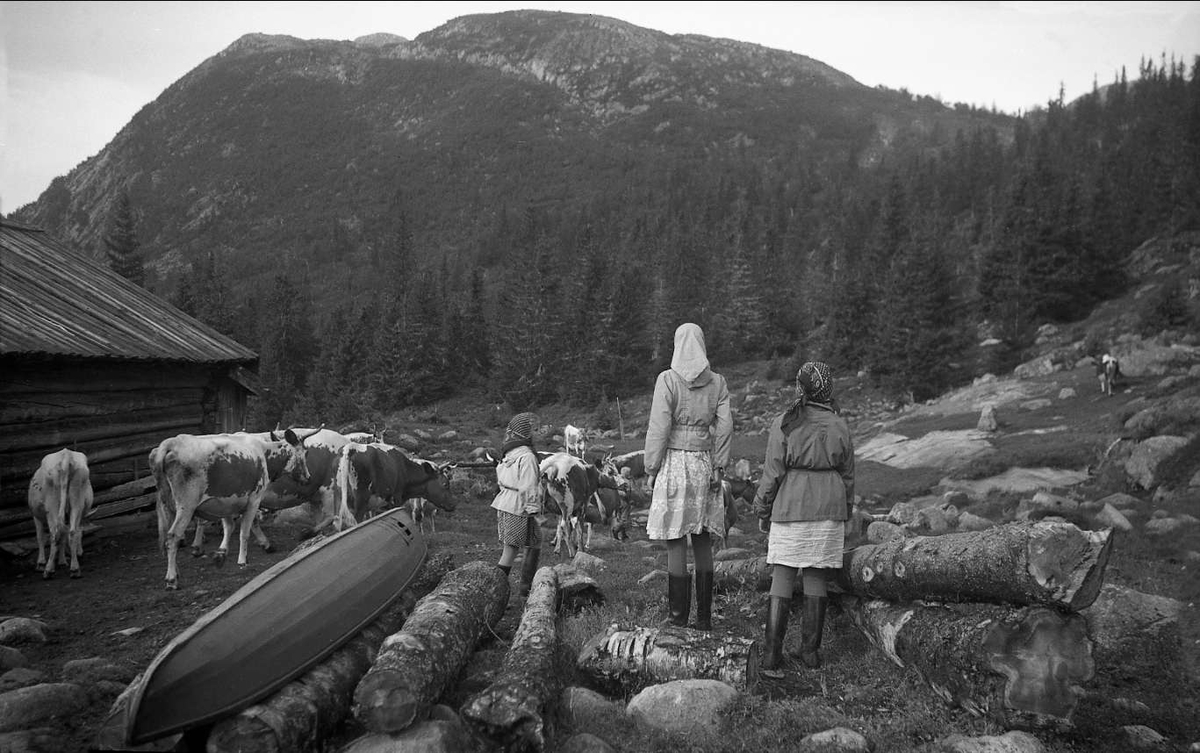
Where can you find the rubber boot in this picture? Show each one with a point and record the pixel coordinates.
(704, 592)
(777, 621)
(810, 632)
(679, 600)
(529, 568)
(506, 569)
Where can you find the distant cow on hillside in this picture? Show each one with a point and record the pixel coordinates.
(1107, 371)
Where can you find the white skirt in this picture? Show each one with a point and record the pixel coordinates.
(807, 543)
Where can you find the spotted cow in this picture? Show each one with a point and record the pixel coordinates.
(60, 496)
(322, 448)
(571, 483)
(218, 477)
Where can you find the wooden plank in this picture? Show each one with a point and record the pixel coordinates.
(122, 491)
(50, 435)
(77, 404)
(125, 505)
(20, 466)
(32, 379)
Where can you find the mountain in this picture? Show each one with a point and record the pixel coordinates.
(280, 153)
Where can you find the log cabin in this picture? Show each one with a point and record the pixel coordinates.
(95, 363)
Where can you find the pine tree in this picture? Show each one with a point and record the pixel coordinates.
(122, 248)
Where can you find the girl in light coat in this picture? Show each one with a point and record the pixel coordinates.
(687, 449)
(519, 499)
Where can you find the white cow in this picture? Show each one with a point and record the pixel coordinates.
(60, 496)
(574, 439)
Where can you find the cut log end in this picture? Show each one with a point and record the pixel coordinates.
(385, 709)
(1068, 561)
(1046, 657)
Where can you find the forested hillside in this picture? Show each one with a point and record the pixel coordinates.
(527, 204)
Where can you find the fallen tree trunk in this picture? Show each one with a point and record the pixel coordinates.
(1021, 666)
(626, 660)
(509, 712)
(1053, 564)
(301, 715)
(416, 664)
(753, 572)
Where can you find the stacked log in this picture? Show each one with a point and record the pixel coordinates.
(989, 619)
(510, 713)
(416, 664)
(1021, 666)
(1048, 563)
(305, 712)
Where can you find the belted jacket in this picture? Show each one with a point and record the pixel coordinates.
(809, 473)
(689, 416)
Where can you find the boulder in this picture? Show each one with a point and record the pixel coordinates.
(987, 419)
(690, 707)
(1010, 742)
(1143, 463)
(31, 706)
(579, 706)
(839, 739)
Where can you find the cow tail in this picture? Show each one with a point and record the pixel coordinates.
(162, 486)
(345, 518)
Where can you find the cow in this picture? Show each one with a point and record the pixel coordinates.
(421, 510)
(385, 473)
(1107, 370)
(570, 482)
(322, 448)
(218, 477)
(609, 506)
(60, 496)
(575, 441)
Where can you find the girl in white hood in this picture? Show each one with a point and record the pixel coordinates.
(687, 449)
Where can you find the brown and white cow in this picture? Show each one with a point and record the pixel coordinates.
(60, 496)
(322, 449)
(570, 482)
(218, 477)
(384, 475)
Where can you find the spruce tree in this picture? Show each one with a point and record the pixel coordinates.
(122, 249)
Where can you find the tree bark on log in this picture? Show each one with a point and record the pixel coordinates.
(576, 588)
(732, 574)
(1047, 563)
(415, 665)
(509, 712)
(1021, 666)
(306, 711)
(626, 660)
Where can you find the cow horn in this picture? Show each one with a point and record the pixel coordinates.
(311, 433)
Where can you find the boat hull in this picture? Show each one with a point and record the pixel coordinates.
(276, 627)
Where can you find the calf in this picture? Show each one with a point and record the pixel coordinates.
(570, 482)
(422, 509)
(60, 496)
(218, 477)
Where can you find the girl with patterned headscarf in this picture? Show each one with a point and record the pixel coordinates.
(802, 502)
(519, 499)
(687, 449)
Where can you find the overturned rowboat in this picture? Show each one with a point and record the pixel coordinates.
(275, 628)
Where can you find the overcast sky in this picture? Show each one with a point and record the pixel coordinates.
(75, 73)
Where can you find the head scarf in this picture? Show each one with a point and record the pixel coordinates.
(519, 431)
(814, 384)
(689, 359)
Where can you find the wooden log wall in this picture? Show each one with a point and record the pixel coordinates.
(112, 411)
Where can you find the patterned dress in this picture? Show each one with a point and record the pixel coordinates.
(683, 503)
